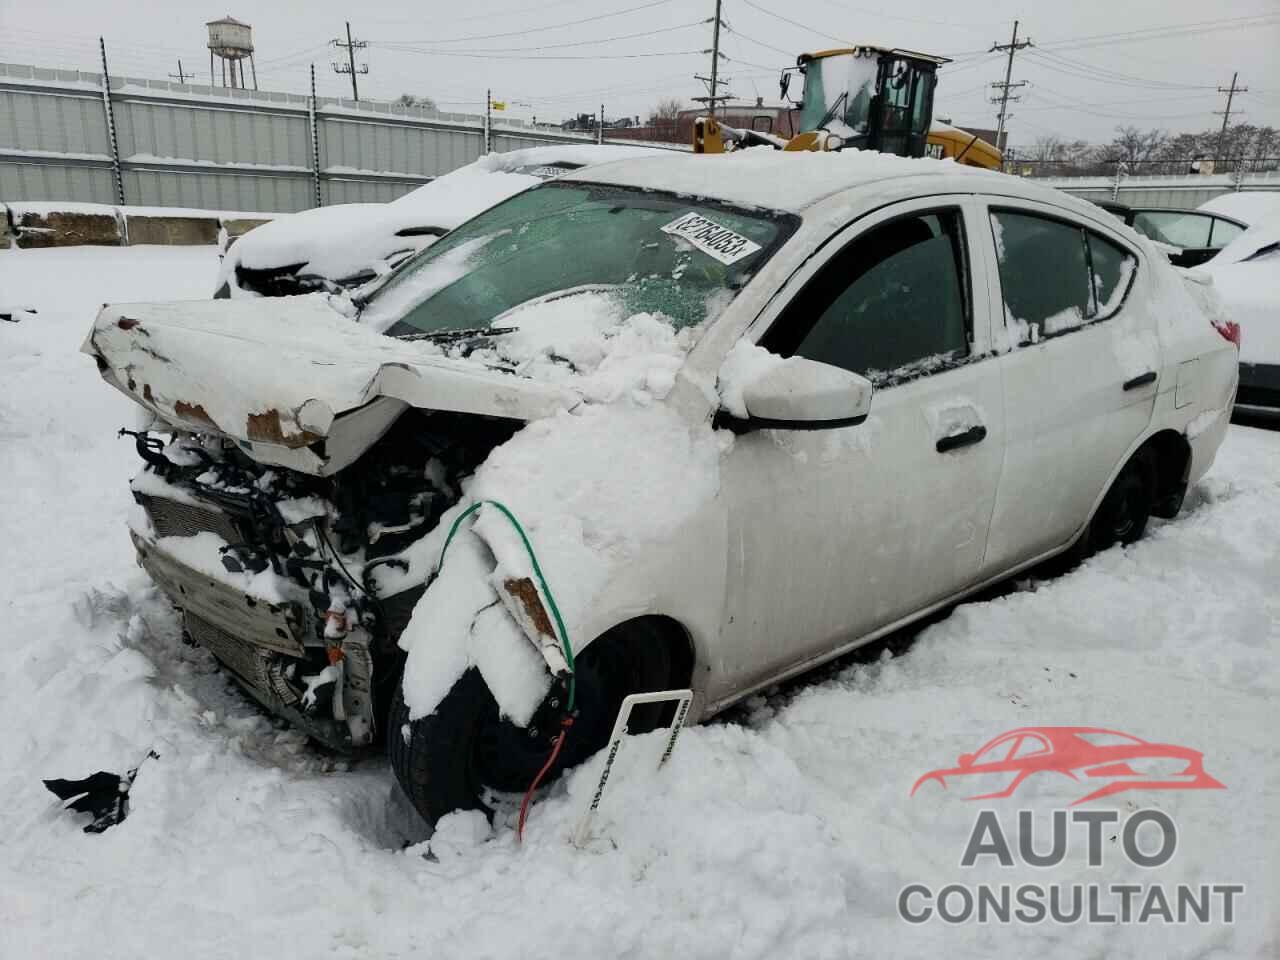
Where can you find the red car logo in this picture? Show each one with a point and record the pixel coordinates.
(1116, 761)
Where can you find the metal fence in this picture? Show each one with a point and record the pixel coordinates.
(64, 137)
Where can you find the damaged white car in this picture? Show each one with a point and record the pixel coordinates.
(618, 433)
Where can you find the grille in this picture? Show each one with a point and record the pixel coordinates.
(260, 669)
(172, 518)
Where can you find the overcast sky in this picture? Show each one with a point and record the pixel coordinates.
(1096, 65)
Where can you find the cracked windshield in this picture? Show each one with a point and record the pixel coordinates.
(646, 252)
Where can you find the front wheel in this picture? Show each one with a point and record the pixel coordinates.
(452, 758)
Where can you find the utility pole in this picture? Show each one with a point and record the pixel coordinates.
(111, 124)
(1012, 47)
(179, 76)
(488, 121)
(600, 126)
(351, 46)
(1226, 114)
(713, 82)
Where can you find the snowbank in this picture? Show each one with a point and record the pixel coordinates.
(785, 830)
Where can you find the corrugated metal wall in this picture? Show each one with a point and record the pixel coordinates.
(186, 145)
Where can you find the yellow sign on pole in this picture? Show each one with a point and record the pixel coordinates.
(498, 104)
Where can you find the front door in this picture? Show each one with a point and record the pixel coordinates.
(836, 533)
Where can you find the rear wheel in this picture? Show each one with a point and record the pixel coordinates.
(452, 758)
(1123, 514)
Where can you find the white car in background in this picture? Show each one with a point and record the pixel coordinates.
(343, 246)
(1246, 276)
(687, 421)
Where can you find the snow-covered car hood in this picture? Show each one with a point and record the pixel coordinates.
(294, 381)
(350, 243)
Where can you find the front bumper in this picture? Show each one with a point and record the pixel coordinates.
(265, 645)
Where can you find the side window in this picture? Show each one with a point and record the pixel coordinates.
(1112, 272)
(1044, 273)
(892, 305)
(1174, 228)
(1224, 231)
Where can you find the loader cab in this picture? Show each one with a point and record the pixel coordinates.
(872, 98)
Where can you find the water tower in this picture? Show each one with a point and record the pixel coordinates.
(231, 42)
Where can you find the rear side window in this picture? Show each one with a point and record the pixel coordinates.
(1056, 276)
(1112, 269)
(1044, 272)
(892, 305)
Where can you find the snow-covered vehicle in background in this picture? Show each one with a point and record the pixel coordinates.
(343, 246)
(1246, 275)
(617, 433)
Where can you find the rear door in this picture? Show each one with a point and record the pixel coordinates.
(835, 533)
(1080, 372)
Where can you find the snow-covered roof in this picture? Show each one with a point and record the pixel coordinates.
(774, 179)
(1247, 206)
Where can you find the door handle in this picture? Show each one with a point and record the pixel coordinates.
(1141, 380)
(967, 438)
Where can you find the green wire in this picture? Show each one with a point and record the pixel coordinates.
(537, 570)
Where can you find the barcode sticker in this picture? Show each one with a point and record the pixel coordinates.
(711, 238)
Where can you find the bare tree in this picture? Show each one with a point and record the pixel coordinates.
(413, 100)
(663, 118)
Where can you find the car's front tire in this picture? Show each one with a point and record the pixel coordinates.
(452, 758)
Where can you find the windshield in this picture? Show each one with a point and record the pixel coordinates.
(645, 252)
(846, 78)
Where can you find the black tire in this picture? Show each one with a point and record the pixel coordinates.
(1123, 514)
(450, 759)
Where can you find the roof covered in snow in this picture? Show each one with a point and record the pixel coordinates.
(775, 179)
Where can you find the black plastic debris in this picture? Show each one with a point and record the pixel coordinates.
(105, 795)
(10, 314)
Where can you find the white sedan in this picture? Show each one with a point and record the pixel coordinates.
(1246, 275)
(673, 422)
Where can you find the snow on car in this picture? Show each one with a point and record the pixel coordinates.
(1246, 276)
(668, 422)
(346, 245)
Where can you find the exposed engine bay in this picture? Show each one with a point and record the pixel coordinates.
(273, 569)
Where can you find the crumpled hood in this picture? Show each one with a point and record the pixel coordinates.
(282, 375)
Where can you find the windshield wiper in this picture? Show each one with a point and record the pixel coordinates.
(451, 335)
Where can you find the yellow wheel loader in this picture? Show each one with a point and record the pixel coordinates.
(861, 98)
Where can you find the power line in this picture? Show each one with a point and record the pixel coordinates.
(1087, 71)
(555, 46)
(1165, 32)
(795, 23)
(553, 26)
(499, 56)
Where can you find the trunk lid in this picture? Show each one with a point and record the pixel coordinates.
(293, 381)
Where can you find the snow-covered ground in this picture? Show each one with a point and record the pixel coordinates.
(785, 830)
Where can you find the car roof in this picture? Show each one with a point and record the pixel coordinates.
(792, 182)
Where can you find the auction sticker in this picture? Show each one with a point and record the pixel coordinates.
(711, 238)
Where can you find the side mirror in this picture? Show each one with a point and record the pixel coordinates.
(966, 760)
(784, 84)
(800, 394)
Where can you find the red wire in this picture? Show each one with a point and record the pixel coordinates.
(566, 723)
